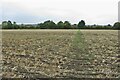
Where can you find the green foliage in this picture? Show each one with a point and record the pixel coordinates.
(80, 47)
(67, 25)
(9, 23)
(74, 26)
(81, 24)
(79, 42)
(40, 26)
(116, 25)
(47, 25)
(15, 26)
(60, 25)
(4, 25)
(51, 25)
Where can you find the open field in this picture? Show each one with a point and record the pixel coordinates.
(60, 53)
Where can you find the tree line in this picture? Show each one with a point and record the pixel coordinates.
(60, 25)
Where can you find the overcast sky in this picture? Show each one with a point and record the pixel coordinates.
(35, 11)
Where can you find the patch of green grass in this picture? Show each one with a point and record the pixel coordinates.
(80, 47)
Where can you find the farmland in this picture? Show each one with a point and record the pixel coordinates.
(60, 53)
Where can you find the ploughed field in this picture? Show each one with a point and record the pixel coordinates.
(60, 53)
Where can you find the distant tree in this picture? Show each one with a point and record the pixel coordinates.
(52, 25)
(49, 25)
(4, 25)
(10, 26)
(74, 26)
(67, 25)
(46, 24)
(15, 26)
(60, 25)
(81, 24)
(116, 25)
(109, 25)
(40, 26)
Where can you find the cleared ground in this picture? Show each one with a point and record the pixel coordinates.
(60, 53)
